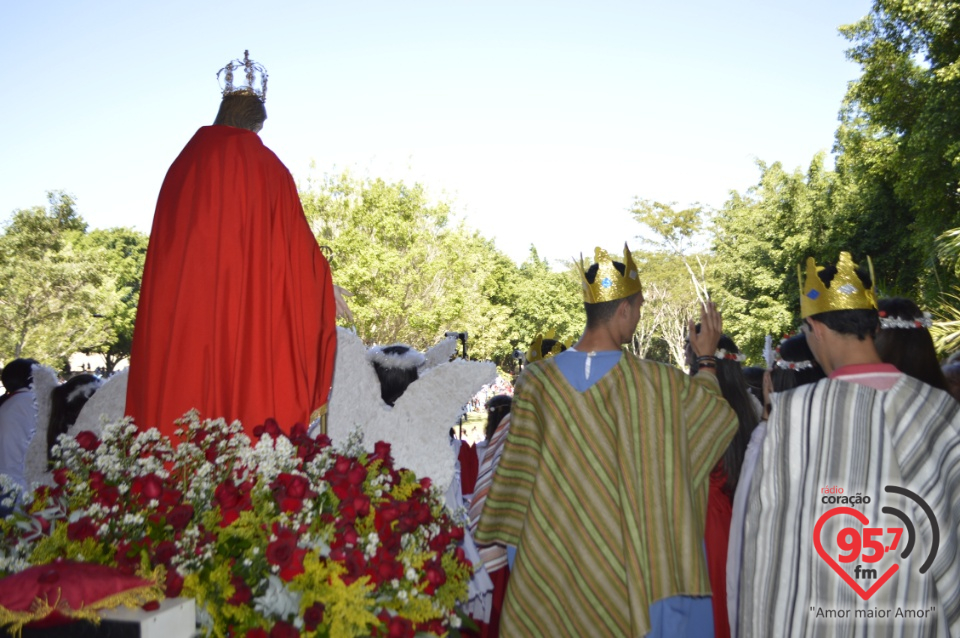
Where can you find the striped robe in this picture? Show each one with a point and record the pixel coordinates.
(604, 494)
(837, 433)
(494, 557)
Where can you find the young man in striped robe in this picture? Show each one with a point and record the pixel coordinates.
(822, 551)
(602, 486)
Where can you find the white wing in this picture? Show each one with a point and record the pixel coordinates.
(107, 405)
(35, 464)
(418, 426)
(440, 353)
(355, 395)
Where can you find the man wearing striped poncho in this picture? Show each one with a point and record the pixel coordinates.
(821, 553)
(603, 482)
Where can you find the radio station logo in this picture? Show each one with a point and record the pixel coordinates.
(866, 546)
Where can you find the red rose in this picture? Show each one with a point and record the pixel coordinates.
(269, 427)
(284, 630)
(381, 450)
(385, 566)
(350, 537)
(241, 593)
(361, 504)
(357, 474)
(180, 516)
(152, 605)
(299, 430)
(164, 551)
(127, 558)
(323, 441)
(95, 481)
(436, 576)
(342, 465)
(152, 486)
(356, 565)
(227, 495)
(313, 616)
(174, 584)
(81, 530)
(257, 633)
(425, 483)
(87, 440)
(284, 553)
(107, 495)
(399, 627)
(280, 551)
(170, 497)
(60, 476)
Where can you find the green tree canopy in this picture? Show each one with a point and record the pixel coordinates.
(53, 296)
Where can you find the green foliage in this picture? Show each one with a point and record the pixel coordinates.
(52, 294)
(900, 135)
(414, 277)
(761, 237)
(124, 251)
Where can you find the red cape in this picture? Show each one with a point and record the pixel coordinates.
(236, 315)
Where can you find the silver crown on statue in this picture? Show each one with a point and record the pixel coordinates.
(250, 72)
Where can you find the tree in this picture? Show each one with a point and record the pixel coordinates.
(52, 296)
(900, 135)
(124, 250)
(412, 277)
(761, 237)
(674, 277)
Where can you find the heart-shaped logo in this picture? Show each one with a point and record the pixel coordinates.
(854, 585)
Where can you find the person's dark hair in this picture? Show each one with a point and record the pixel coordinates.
(548, 344)
(497, 407)
(600, 313)
(862, 323)
(66, 401)
(241, 111)
(394, 380)
(16, 375)
(753, 375)
(911, 350)
(734, 389)
(794, 350)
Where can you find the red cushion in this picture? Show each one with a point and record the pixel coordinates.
(61, 592)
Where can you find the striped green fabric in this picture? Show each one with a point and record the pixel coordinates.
(604, 494)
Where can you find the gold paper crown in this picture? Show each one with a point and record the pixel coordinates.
(536, 348)
(251, 71)
(609, 284)
(846, 291)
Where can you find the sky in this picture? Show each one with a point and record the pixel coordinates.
(540, 122)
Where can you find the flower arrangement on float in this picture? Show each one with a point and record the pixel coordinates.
(288, 537)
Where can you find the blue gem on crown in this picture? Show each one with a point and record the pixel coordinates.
(606, 283)
(813, 294)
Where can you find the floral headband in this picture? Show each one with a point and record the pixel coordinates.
(887, 323)
(729, 356)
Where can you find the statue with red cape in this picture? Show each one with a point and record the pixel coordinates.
(237, 310)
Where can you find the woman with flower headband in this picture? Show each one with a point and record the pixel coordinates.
(724, 477)
(904, 340)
